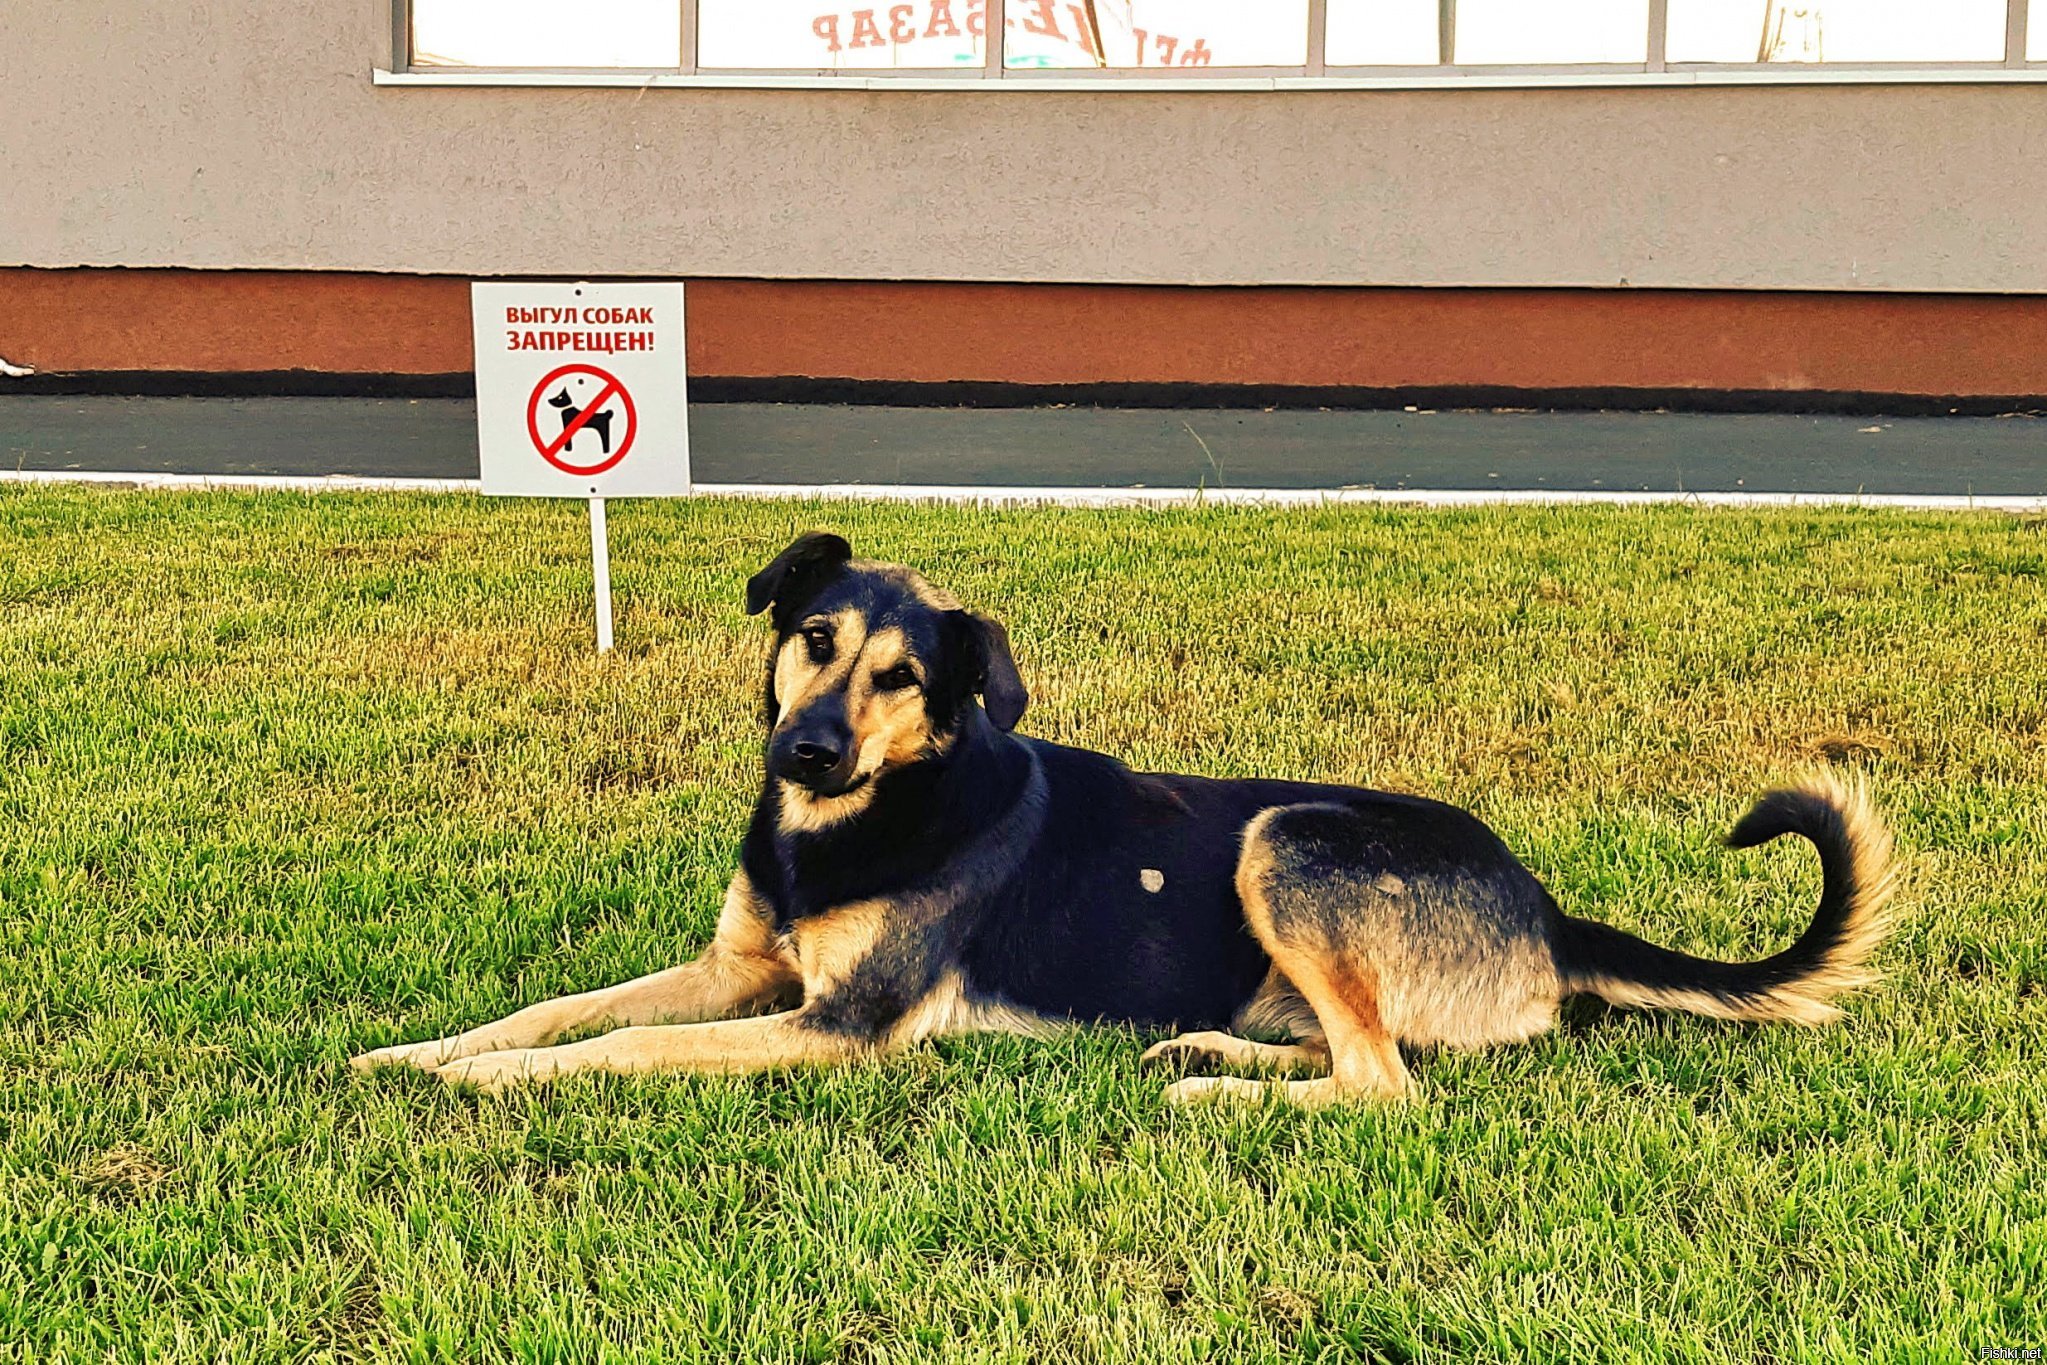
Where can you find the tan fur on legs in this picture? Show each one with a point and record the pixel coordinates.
(743, 970)
(727, 1046)
(1226, 1049)
(1364, 1058)
(713, 985)
(739, 1045)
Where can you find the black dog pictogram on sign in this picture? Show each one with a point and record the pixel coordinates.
(564, 389)
(574, 421)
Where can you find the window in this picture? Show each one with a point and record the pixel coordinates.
(546, 33)
(1384, 33)
(1533, 32)
(824, 35)
(1171, 39)
(1128, 35)
(1836, 31)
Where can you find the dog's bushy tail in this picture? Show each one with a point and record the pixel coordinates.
(1797, 985)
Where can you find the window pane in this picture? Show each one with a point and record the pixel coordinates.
(813, 35)
(546, 33)
(1532, 32)
(1382, 33)
(1134, 34)
(1836, 31)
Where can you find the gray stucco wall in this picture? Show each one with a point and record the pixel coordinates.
(246, 133)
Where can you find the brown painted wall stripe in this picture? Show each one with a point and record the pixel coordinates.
(74, 321)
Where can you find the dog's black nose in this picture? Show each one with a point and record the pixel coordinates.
(813, 747)
(808, 758)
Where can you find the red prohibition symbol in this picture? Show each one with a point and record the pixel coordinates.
(590, 416)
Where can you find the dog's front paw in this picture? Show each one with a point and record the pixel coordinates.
(493, 1073)
(1188, 1053)
(425, 1056)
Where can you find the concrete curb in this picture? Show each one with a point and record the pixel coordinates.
(1026, 496)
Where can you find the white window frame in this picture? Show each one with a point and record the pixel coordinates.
(1315, 74)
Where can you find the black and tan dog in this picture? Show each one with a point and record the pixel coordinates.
(913, 870)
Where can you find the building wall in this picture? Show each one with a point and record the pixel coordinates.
(247, 134)
(1126, 343)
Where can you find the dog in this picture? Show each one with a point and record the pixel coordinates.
(915, 869)
(599, 422)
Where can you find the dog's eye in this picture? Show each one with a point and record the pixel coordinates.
(896, 679)
(818, 641)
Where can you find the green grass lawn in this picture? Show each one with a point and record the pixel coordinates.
(283, 778)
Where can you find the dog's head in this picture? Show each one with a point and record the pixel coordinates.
(560, 400)
(873, 670)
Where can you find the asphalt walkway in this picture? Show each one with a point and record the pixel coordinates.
(744, 443)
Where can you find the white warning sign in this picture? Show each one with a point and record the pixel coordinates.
(581, 390)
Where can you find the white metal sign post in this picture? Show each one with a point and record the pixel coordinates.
(600, 573)
(581, 392)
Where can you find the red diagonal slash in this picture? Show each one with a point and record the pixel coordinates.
(582, 420)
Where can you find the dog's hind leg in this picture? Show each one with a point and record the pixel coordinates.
(1277, 1009)
(1363, 1059)
(1328, 968)
(1394, 930)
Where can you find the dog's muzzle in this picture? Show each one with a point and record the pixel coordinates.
(817, 756)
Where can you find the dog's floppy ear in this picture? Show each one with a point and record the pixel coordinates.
(995, 677)
(810, 558)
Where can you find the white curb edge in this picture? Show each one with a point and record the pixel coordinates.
(1026, 496)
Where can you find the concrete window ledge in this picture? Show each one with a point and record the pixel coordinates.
(1478, 80)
